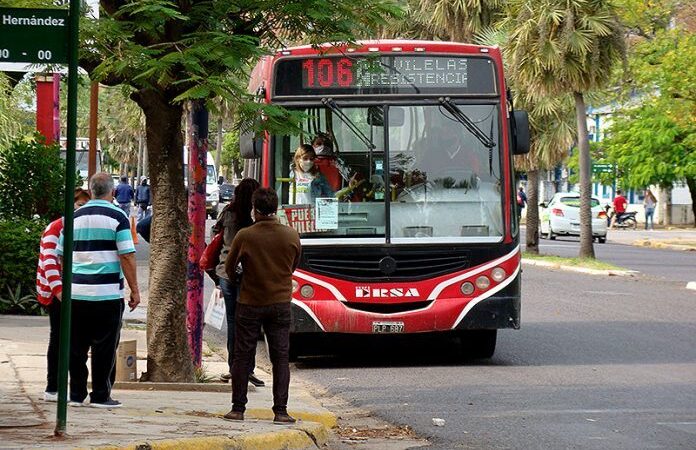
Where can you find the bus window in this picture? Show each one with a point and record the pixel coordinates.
(447, 183)
(356, 208)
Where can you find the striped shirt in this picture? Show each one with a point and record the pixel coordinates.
(101, 235)
(48, 279)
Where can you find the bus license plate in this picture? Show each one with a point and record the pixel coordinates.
(387, 327)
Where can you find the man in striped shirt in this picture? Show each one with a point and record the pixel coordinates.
(49, 289)
(103, 253)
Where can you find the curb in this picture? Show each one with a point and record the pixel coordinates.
(184, 387)
(552, 265)
(662, 245)
(691, 285)
(301, 436)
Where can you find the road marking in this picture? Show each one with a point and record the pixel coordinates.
(691, 285)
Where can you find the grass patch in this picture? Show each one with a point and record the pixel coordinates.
(576, 262)
(202, 376)
(685, 243)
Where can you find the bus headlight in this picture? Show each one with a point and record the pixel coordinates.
(498, 274)
(467, 288)
(483, 282)
(295, 286)
(307, 291)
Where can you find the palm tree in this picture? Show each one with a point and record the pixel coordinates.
(566, 46)
(551, 135)
(460, 20)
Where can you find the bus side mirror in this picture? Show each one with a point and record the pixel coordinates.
(249, 145)
(520, 129)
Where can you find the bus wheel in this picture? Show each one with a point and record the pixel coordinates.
(478, 344)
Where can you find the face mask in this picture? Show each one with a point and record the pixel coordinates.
(319, 149)
(306, 165)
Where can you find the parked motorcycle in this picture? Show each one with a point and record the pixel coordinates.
(624, 220)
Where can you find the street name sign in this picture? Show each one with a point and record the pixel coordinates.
(34, 35)
(602, 168)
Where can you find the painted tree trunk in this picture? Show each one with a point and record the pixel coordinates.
(197, 163)
(532, 237)
(218, 145)
(586, 247)
(168, 355)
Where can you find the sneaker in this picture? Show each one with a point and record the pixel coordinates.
(108, 404)
(50, 396)
(225, 377)
(256, 381)
(281, 418)
(76, 404)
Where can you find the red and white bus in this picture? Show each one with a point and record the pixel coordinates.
(428, 240)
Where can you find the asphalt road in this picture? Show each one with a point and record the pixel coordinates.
(600, 362)
(675, 265)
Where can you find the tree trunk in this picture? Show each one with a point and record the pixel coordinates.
(586, 247)
(168, 355)
(532, 238)
(218, 145)
(666, 204)
(691, 182)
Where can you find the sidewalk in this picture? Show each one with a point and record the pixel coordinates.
(154, 415)
(674, 239)
(163, 419)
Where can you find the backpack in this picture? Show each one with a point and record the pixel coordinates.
(520, 202)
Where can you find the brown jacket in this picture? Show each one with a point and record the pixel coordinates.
(269, 253)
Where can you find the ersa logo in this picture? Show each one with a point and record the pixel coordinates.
(366, 292)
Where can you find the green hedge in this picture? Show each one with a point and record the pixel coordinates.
(19, 247)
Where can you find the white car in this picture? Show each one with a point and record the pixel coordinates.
(561, 216)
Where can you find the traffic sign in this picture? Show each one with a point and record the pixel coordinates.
(602, 168)
(34, 35)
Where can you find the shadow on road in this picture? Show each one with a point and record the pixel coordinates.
(536, 344)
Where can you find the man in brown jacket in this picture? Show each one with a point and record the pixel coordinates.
(269, 253)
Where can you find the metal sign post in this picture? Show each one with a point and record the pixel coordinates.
(66, 304)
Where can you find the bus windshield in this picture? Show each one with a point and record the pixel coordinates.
(440, 183)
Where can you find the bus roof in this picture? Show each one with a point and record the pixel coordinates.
(390, 45)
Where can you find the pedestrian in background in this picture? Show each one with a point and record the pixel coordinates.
(103, 252)
(521, 202)
(269, 253)
(143, 199)
(124, 195)
(235, 216)
(649, 202)
(49, 288)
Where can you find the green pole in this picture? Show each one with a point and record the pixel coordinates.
(64, 352)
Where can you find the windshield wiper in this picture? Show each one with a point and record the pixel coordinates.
(462, 118)
(331, 104)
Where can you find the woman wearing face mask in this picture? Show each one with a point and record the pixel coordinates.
(308, 183)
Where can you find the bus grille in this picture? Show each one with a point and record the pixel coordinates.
(362, 264)
(387, 308)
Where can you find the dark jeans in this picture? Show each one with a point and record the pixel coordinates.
(95, 324)
(275, 320)
(230, 292)
(53, 346)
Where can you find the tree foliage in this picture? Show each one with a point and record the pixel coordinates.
(650, 147)
(32, 177)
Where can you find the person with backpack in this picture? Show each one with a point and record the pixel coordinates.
(142, 198)
(521, 202)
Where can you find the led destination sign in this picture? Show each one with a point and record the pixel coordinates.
(403, 74)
